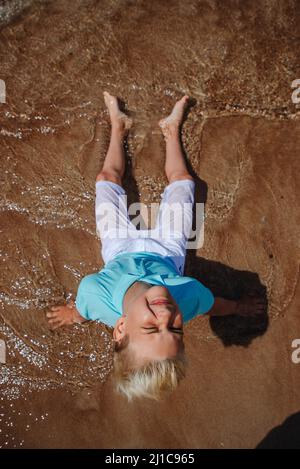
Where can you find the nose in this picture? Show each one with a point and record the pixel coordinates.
(164, 314)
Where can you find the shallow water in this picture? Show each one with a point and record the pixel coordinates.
(237, 60)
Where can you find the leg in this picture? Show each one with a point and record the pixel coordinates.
(112, 220)
(114, 163)
(174, 220)
(175, 166)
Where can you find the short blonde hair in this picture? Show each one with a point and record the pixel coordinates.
(153, 380)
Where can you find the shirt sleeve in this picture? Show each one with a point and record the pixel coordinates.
(196, 300)
(93, 301)
(205, 298)
(192, 297)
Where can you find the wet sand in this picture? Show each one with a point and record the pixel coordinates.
(242, 139)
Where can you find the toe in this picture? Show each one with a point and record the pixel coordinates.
(261, 308)
(56, 326)
(51, 315)
(54, 321)
(260, 301)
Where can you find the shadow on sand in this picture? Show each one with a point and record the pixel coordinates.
(228, 283)
(285, 436)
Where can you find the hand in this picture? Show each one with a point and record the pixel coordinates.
(64, 315)
(251, 305)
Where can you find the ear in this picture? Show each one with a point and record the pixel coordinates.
(119, 331)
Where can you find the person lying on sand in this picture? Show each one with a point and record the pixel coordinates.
(141, 291)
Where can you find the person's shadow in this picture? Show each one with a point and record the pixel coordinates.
(285, 436)
(221, 279)
(225, 281)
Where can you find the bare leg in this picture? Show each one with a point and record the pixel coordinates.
(114, 163)
(175, 166)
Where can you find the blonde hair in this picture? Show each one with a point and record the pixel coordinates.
(153, 380)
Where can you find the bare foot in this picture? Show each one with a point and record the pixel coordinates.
(119, 120)
(251, 305)
(63, 316)
(171, 123)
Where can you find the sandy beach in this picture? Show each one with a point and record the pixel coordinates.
(237, 61)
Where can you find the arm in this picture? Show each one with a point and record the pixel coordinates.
(246, 306)
(223, 307)
(64, 315)
(93, 303)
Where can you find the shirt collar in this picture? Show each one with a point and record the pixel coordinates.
(128, 279)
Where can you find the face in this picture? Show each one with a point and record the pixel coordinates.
(154, 324)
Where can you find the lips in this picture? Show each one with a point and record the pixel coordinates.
(160, 302)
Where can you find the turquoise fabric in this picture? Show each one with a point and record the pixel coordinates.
(100, 295)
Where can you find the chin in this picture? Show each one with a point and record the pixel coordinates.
(159, 290)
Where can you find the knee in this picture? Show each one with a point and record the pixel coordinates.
(109, 176)
(179, 175)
